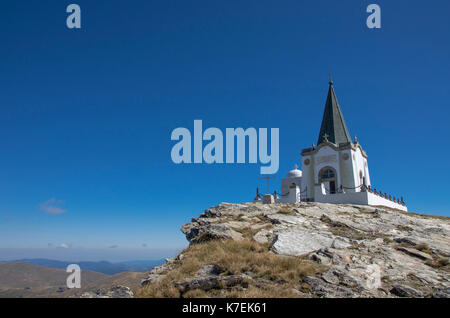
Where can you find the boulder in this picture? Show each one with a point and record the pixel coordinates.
(441, 293)
(415, 253)
(263, 236)
(203, 233)
(209, 270)
(323, 256)
(300, 243)
(340, 243)
(330, 277)
(114, 292)
(324, 289)
(213, 282)
(403, 291)
(151, 279)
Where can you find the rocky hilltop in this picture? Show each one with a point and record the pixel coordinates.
(307, 250)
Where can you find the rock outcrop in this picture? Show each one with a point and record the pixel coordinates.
(114, 292)
(362, 251)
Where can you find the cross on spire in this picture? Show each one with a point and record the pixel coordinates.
(325, 136)
(330, 75)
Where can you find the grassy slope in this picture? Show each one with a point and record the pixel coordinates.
(274, 275)
(28, 280)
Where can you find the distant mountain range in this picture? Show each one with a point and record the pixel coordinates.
(100, 267)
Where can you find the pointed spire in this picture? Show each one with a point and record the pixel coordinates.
(258, 196)
(333, 123)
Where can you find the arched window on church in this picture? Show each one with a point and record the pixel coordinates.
(327, 174)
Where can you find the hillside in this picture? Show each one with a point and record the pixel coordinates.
(307, 250)
(106, 285)
(19, 280)
(28, 280)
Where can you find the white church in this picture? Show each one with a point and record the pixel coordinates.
(336, 171)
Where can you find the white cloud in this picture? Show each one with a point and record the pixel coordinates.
(52, 206)
(64, 245)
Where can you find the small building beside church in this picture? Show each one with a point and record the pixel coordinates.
(336, 170)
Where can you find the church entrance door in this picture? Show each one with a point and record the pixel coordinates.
(332, 187)
(327, 176)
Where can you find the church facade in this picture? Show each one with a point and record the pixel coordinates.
(336, 170)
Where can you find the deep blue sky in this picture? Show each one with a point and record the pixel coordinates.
(86, 115)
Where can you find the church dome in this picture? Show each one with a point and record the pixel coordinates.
(294, 173)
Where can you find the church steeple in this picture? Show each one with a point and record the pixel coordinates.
(333, 126)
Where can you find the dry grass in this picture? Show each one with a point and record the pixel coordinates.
(263, 218)
(343, 230)
(273, 275)
(438, 263)
(423, 248)
(239, 217)
(248, 232)
(368, 211)
(287, 211)
(350, 233)
(404, 228)
(263, 291)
